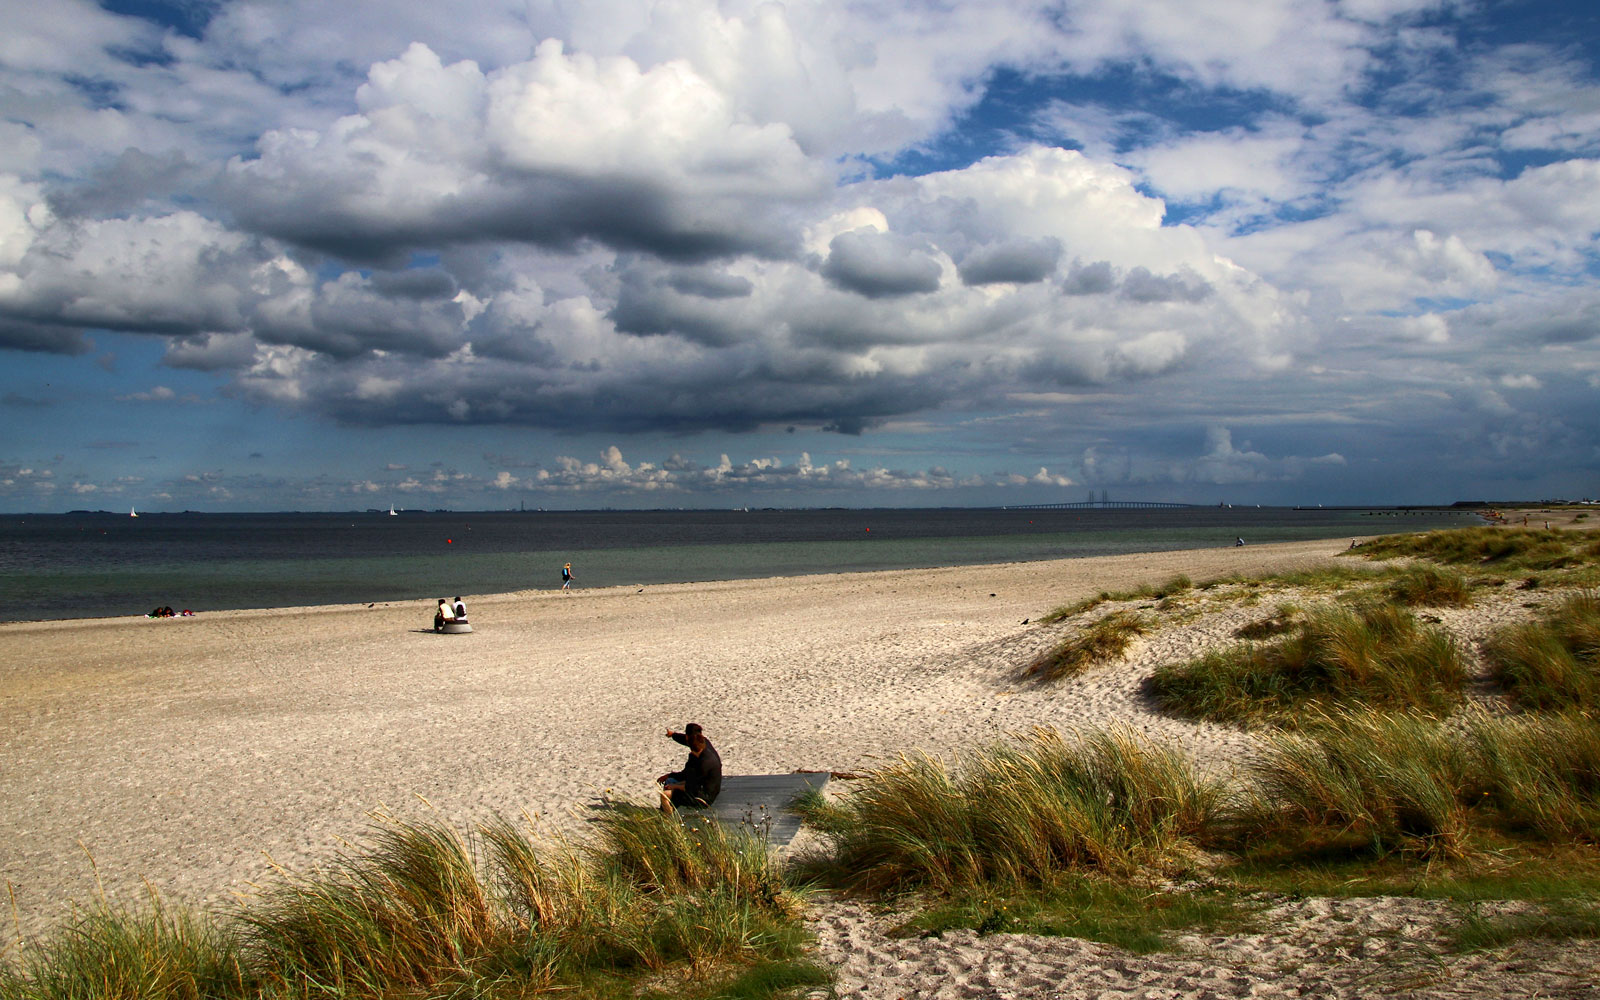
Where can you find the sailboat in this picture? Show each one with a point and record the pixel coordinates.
(132, 512)
(393, 512)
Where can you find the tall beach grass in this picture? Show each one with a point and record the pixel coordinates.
(1500, 549)
(1405, 781)
(1553, 662)
(1100, 641)
(111, 952)
(424, 910)
(1376, 655)
(1019, 812)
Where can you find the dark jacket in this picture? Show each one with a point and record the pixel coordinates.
(702, 772)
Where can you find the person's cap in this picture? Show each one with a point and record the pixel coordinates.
(691, 729)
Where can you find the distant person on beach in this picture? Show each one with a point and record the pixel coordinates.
(460, 608)
(566, 577)
(443, 613)
(700, 781)
(1238, 542)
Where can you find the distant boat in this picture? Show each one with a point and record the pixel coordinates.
(393, 512)
(132, 512)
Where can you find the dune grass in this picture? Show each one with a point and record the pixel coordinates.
(1572, 557)
(1540, 773)
(1101, 641)
(1429, 586)
(1552, 663)
(1019, 812)
(414, 914)
(1380, 781)
(1285, 619)
(1560, 920)
(1137, 917)
(1404, 781)
(1072, 835)
(1143, 592)
(119, 953)
(1376, 655)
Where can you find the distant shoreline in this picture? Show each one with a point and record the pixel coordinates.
(718, 571)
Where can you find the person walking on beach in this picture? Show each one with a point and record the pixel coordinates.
(566, 577)
(701, 778)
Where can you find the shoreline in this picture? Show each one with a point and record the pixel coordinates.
(251, 587)
(632, 588)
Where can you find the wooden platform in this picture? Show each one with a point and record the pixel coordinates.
(759, 803)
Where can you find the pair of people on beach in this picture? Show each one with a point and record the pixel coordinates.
(698, 783)
(449, 611)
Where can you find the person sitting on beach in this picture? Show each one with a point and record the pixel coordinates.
(443, 613)
(460, 609)
(701, 778)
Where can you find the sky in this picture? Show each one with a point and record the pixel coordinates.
(293, 255)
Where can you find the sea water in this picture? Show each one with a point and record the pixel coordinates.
(101, 564)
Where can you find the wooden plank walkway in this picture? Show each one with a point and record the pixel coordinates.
(759, 803)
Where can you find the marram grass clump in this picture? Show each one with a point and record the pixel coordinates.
(1019, 812)
(1429, 586)
(1179, 584)
(1101, 641)
(1502, 549)
(1374, 655)
(1552, 663)
(419, 913)
(1405, 781)
(1385, 780)
(117, 953)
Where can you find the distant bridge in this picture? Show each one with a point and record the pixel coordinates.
(1100, 505)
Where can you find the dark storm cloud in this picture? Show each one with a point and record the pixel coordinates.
(44, 338)
(211, 352)
(709, 284)
(1141, 285)
(417, 283)
(1090, 279)
(880, 265)
(1570, 318)
(509, 331)
(1013, 261)
(126, 183)
(348, 318)
(331, 213)
(705, 398)
(650, 303)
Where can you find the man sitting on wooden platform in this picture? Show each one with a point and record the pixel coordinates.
(700, 780)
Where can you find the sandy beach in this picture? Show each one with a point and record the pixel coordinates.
(190, 754)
